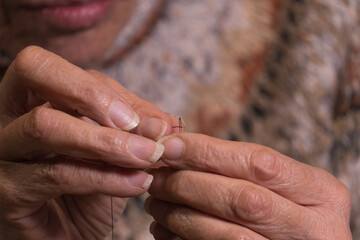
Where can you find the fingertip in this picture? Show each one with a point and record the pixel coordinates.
(140, 180)
(159, 181)
(153, 128)
(161, 233)
(158, 209)
(174, 147)
(147, 204)
(152, 227)
(145, 149)
(133, 123)
(123, 116)
(159, 151)
(148, 182)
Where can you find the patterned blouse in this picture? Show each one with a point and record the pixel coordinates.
(282, 73)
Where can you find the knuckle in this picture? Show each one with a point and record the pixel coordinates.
(235, 233)
(182, 217)
(24, 60)
(344, 200)
(38, 123)
(206, 155)
(48, 172)
(251, 204)
(55, 174)
(109, 142)
(180, 182)
(101, 96)
(8, 188)
(266, 165)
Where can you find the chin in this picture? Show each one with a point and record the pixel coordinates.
(70, 29)
(85, 49)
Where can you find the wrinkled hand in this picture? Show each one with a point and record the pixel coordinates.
(243, 191)
(57, 168)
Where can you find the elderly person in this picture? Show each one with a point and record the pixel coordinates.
(282, 74)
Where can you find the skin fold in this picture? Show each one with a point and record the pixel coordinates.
(70, 138)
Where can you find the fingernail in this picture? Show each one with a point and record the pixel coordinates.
(174, 147)
(123, 116)
(145, 149)
(148, 181)
(140, 179)
(153, 128)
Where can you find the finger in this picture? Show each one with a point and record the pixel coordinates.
(155, 123)
(153, 128)
(46, 130)
(296, 181)
(161, 233)
(193, 225)
(44, 180)
(37, 76)
(238, 201)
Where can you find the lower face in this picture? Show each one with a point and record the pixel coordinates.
(79, 30)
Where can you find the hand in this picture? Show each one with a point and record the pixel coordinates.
(57, 168)
(243, 191)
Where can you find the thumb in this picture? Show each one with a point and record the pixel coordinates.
(154, 123)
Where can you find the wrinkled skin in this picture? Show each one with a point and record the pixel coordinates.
(58, 168)
(233, 190)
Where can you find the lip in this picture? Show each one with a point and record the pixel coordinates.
(70, 15)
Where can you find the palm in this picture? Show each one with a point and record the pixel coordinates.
(75, 217)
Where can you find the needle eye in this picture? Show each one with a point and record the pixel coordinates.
(180, 126)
